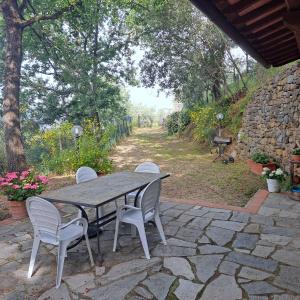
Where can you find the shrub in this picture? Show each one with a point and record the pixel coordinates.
(172, 123)
(184, 119)
(260, 157)
(87, 152)
(296, 151)
(205, 122)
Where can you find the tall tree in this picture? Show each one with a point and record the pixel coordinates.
(16, 21)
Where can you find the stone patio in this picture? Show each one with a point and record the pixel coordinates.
(211, 254)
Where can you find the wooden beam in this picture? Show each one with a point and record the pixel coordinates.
(283, 54)
(277, 45)
(284, 61)
(292, 4)
(274, 39)
(280, 48)
(245, 6)
(258, 15)
(265, 23)
(292, 20)
(208, 8)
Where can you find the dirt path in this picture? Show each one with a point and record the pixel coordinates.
(193, 175)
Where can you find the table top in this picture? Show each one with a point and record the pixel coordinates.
(103, 189)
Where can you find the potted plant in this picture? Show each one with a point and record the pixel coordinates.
(18, 186)
(296, 154)
(274, 178)
(259, 161)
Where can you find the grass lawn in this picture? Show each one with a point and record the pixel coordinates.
(193, 175)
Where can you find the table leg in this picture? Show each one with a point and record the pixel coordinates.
(99, 256)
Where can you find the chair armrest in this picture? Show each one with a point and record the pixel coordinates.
(81, 221)
(121, 209)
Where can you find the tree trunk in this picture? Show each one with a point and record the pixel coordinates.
(11, 112)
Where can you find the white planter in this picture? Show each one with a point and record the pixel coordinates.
(273, 185)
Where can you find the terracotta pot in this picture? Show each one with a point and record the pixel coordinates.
(295, 157)
(257, 168)
(17, 209)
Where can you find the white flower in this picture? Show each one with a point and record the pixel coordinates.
(279, 172)
(266, 169)
(263, 173)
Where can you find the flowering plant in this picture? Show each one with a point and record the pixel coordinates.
(19, 186)
(269, 174)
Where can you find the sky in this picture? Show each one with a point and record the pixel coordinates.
(152, 97)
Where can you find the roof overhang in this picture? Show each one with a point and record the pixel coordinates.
(268, 30)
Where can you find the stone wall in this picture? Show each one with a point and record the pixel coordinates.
(271, 121)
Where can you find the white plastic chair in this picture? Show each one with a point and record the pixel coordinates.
(49, 229)
(148, 210)
(85, 174)
(145, 167)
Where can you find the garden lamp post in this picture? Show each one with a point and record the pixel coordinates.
(77, 132)
(220, 117)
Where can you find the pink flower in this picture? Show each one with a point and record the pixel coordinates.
(15, 186)
(42, 178)
(34, 186)
(27, 186)
(4, 183)
(12, 175)
(24, 174)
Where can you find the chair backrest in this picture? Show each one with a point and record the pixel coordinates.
(150, 197)
(147, 167)
(84, 174)
(45, 219)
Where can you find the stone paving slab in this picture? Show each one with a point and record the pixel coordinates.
(203, 258)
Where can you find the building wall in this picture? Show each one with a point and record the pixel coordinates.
(271, 121)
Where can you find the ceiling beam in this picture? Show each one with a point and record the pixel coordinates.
(258, 15)
(292, 21)
(208, 8)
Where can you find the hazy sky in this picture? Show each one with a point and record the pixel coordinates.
(150, 96)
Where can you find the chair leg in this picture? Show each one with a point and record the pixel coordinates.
(89, 249)
(133, 230)
(142, 233)
(35, 248)
(160, 228)
(116, 235)
(62, 248)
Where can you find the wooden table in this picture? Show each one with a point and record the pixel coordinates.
(99, 192)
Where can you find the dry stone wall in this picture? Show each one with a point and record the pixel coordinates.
(271, 121)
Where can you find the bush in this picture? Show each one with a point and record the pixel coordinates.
(260, 157)
(177, 121)
(172, 123)
(205, 122)
(296, 151)
(184, 119)
(56, 151)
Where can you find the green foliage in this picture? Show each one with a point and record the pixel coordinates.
(177, 121)
(55, 150)
(261, 158)
(296, 151)
(86, 153)
(204, 119)
(171, 123)
(184, 119)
